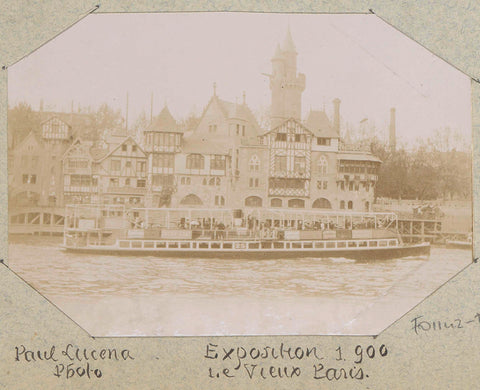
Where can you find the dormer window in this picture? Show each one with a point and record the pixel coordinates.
(281, 137)
(323, 141)
(124, 148)
(212, 128)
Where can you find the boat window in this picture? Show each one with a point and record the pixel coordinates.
(331, 244)
(308, 244)
(136, 244)
(392, 243)
(124, 244)
(341, 244)
(185, 245)
(148, 244)
(161, 245)
(362, 243)
(352, 244)
(373, 243)
(296, 244)
(173, 244)
(253, 245)
(194, 244)
(278, 245)
(266, 245)
(227, 245)
(382, 243)
(203, 245)
(215, 245)
(319, 245)
(287, 245)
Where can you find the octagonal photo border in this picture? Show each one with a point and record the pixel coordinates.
(467, 275)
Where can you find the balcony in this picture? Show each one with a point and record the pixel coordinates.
(126, 190)
(291, 174)
(301, 192)
(149, 148)
(82, 189)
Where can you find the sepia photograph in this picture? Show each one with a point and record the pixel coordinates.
(192, 174)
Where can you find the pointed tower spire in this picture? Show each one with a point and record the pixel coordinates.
(288, 44)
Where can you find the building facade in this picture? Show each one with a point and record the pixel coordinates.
(226, 161)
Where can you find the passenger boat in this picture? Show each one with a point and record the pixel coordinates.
(241, 234)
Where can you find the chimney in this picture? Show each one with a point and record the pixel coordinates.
(392, 140)
(336, 115)
(244, 98)
(126, 115)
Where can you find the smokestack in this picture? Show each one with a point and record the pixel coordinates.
(151, 107)
(336, 115)
(392, 140)
(126, 115)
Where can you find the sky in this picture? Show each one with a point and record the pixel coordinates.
(359, 59)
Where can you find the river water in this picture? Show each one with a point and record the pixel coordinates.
(113, 296)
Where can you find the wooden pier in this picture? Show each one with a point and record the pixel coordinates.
(415, 230)
(36, 220)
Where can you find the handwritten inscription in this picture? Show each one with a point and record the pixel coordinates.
(287, 362)
(72, 361)
(420, 324)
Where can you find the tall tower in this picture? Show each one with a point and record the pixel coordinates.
(286, 85)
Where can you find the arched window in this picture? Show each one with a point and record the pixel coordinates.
(195, 161)
(296, 203)
(350, 205)
(253, 201)
(322, 166)
(276, 202)
(342, 204)
(191, 200)
(321, 203)
(254, 163)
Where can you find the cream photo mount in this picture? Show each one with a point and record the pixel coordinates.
(472, 265)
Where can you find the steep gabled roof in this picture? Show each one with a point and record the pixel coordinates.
(164, 122)
(285, 121)
(232, 110)
(30, 135)
(111, 151)
(85, 145)
(319, 124)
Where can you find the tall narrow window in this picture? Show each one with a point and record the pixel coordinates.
(254, 163)
(322, 166)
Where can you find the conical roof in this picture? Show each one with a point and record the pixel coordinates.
(164, 122)
(278, 53)
(288, 44)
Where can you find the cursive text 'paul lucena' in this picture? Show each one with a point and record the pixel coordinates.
(72, 361)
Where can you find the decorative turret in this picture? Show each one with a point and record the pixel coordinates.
(336, 115)
(286, 85)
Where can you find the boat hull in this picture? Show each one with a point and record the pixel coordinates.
(360, 254)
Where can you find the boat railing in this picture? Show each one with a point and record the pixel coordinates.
(253, 245)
